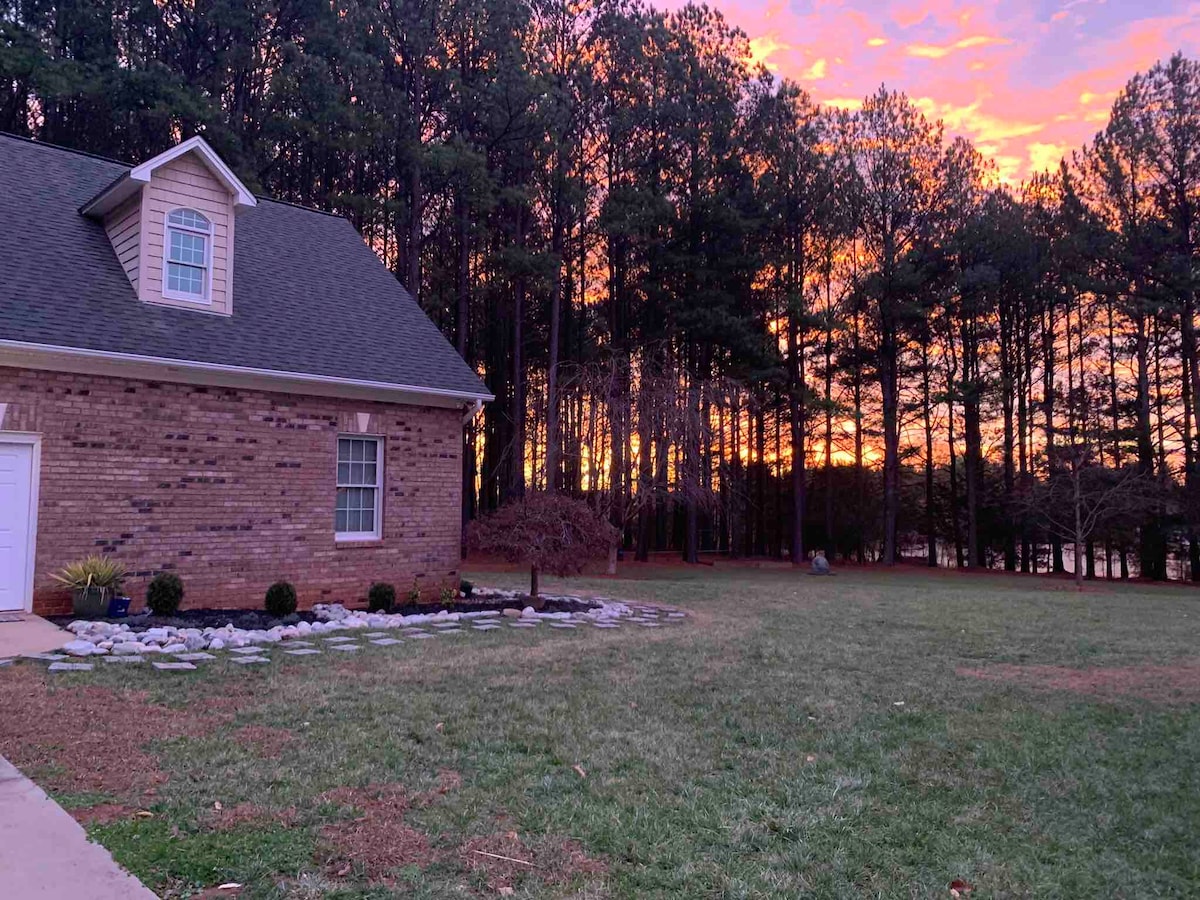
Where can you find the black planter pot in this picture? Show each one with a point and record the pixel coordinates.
(90, 602)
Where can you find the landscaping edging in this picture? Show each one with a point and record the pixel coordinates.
(104, 638)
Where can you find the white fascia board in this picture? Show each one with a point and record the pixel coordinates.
(131, 182)
(197, 144)
(21, 354)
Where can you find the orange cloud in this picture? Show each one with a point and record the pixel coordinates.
(816, 71)
(764, 46)
(848, 103)
(1043, 156)
(935, 51)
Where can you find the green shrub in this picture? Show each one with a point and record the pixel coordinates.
(466, 588)
(447, 596)
(281, 599)
(381, 597)
(164, 594)
(414, 595)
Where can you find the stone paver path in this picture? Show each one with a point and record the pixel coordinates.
(423, 628)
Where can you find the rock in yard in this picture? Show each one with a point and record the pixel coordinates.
(173, 666)
(80, 648)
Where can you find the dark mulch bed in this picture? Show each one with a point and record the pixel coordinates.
(250, 619)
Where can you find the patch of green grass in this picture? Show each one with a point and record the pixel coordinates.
(179, 862)
(796, 737)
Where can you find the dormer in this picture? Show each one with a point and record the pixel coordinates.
(171, 223)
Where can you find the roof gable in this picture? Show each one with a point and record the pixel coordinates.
(310, 296)
(136, 178)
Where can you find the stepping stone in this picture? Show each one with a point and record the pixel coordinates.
(248, 660)
(47, 657)
(522, 624)
(375, 634)
(5, 662)
(421, 635)
(174, 666)
(299, 643)
(561, 625)
(676, 615)
(605, 625)
(70, 667)
(250, 651)
(127, 658)
(650, 624)
(386, 642)
(492, 627)
(340, 639)
(347, 647)
(193, 657)
(303, 651)
(444, 624)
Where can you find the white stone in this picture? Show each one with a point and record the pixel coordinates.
(79, 648)
(175, 648)
(216, 644)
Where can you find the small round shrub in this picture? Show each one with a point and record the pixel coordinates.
(381, 597)
(466, 588)
(164, 594)
(281, 599)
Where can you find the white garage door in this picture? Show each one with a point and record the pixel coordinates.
(16, 538)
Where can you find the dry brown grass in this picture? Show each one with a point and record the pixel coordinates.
(1168, 684)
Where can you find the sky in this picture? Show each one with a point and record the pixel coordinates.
(1027, 80)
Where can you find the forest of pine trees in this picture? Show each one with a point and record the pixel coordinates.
(679, 275)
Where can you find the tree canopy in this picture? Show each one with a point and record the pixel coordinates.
(728, 318)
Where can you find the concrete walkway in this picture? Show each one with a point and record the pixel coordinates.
(32, 634)
(45, 854)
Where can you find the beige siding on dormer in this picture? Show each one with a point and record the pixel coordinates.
(122, 226)
(186, 183)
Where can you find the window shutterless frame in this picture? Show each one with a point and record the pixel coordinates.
(358, 512)
(187, 256)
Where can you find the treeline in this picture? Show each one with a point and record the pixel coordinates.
(678, 274)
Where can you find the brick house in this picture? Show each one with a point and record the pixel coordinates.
(196, 380)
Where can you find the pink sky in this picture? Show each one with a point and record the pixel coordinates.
(1026, 80)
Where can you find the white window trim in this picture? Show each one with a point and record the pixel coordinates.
(350, 537)
(168, 227)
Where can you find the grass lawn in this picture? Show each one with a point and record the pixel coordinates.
(797, 736)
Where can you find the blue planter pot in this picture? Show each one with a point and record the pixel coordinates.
(118, 607)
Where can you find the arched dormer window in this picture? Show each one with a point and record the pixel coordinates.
(188, 274)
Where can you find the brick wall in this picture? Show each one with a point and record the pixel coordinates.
(231, 489)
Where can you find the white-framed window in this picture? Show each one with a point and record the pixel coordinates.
(359, 512)
(187, 267)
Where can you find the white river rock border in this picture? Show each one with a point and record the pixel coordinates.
(95, 638)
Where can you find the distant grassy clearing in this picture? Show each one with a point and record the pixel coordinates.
(797, 736)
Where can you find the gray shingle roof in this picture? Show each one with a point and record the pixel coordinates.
(309, 296)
